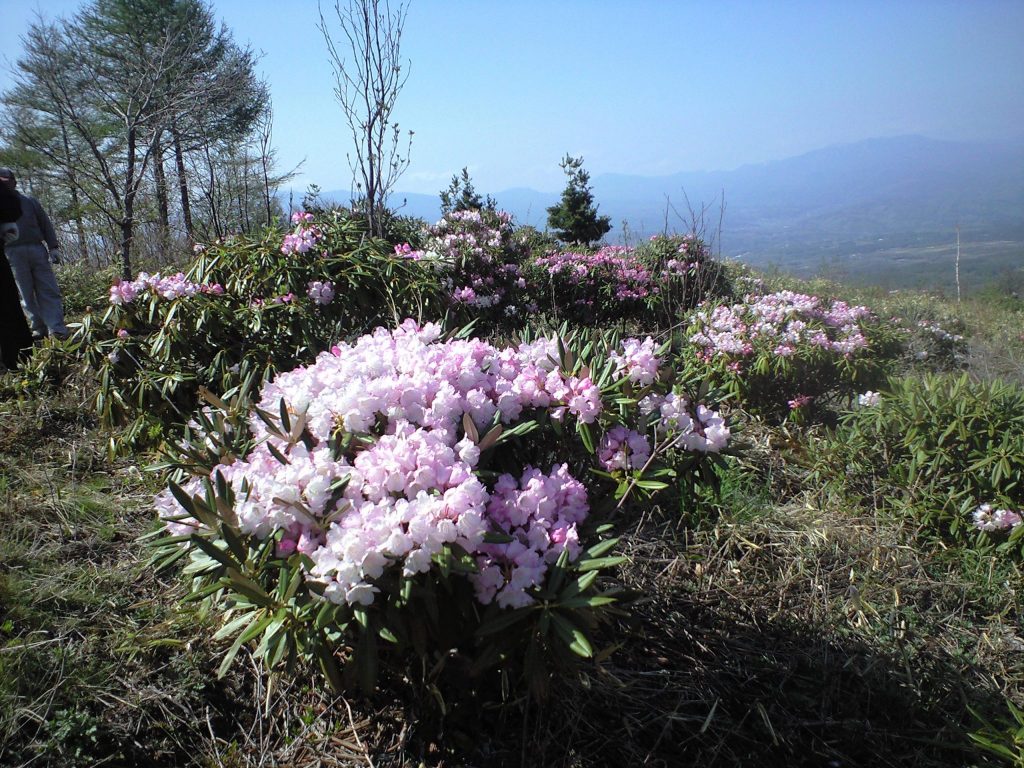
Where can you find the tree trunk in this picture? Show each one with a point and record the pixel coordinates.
(162, 205)
(246, 170)
(83, 242)
(76, 203)
(179, 161)
(212, 194)
(265, 167)
(128, 220)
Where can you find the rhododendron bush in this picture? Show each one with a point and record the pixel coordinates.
(478, 259)
(651, 283)
(949, 449)
(442, 495)
(784, 353)
(933, 346)
(245, 306)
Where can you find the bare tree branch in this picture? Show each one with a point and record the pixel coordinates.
(369, 77)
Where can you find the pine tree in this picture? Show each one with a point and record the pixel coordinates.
(575, 219)
(461, 195)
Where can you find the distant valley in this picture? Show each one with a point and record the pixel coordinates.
(882, 211)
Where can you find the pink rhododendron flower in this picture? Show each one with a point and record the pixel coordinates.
(709, 434)
(321, 292)
(413, 490)
(637, 361)
(540, 512)
(172, 287)
(406, 251)
(869, 398)
(987, 518)
(624, 449)
(783, 320)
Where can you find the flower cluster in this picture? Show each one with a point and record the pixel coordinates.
(612, 273)
(478, 256)
(466, 295)
(783, 320)
(321, 292)
(405, 251)
(755, 284)
(698, 429)
(286, 298)
(385, 477)
(304, 237)
(659, 278)
(637, 361)
(869, 398)
(412, 489)
(171, 287)
(679, 255)
(800, 401)
(987, 518)
(540, 513)
(623, 449)
(938, 332)
(675, 267)
(472, 233)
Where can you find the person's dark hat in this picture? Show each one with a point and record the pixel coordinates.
(7, 173)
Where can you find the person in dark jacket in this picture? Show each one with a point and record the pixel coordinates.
(15, 337)
(30, 254)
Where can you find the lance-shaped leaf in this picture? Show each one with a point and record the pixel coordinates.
(492, 437)
(600, 548)
(211, 398)
(285, 420)
(582, 584)
(249, 588)
(523, 428)
(599, 562)
(256, 625)
(272, 427)
(470, 428)
(587, 601)
(586, 435)
(163, 564)
(211, 549)
(277, 454)
(572, 636)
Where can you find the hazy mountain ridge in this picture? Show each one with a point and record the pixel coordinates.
(833, 203)
(932, 182)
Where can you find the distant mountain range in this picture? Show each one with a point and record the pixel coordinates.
(881, 204)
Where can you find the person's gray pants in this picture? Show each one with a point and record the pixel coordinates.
(40, 295)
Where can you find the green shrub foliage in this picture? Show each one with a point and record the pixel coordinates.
(945, 447)
(246, 305)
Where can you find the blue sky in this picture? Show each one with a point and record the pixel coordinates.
(644, 87)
